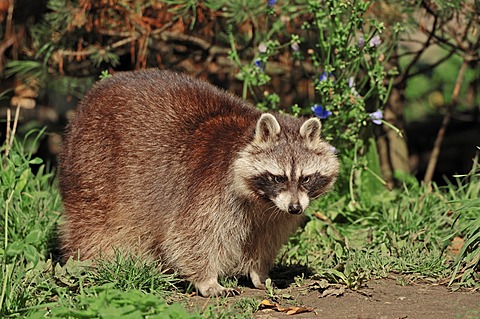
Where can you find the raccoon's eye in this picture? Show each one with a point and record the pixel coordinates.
(305, 180)
(278, 179)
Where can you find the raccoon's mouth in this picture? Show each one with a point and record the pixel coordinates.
(293, 205)
(282, 200)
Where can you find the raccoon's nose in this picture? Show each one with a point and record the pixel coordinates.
(294, 209)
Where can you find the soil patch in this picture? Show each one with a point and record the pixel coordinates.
(379, 299)
(385, 299)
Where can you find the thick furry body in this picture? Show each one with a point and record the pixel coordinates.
(161, 165)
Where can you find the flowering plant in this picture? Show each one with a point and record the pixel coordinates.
(346, 53)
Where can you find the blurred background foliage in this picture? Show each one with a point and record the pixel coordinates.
(417, 62)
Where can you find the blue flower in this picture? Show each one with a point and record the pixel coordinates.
(324, 76)
(259, 65)
(320, 112)
(271, 3)
(375, 41)
(376, 117)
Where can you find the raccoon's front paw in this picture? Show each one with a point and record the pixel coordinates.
(228, 292)
(214, 289)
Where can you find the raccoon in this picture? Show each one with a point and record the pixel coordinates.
(162, 165)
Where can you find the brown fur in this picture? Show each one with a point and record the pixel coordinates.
(147, 168)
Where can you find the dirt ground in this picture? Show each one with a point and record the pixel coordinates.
(382, 299)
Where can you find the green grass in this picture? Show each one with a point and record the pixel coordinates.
(406, 231)
(465, 195)
(131, 273)
(31, 208)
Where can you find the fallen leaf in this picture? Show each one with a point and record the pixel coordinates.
(334, 291)
(267, 303)
(292, 310)
(319, 285)
(327, 289)
(297, 310)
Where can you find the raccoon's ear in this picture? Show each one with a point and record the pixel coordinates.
(310, 131)
(267, 129)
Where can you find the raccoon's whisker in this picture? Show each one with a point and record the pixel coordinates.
(270, 212)
(318, 196)
(273, 212)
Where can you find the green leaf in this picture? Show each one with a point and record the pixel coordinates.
(36, 161)
(34, 237)
(32, 254)
(15, 248)
(22, 181)
(112, 312)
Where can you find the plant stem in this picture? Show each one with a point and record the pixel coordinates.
(5, 244)
(11, 134)
(432, 163)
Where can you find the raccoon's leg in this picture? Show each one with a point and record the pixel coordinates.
(211, 288)
(258, 278)
(259, 267)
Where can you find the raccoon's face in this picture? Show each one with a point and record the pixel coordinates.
(286, 166)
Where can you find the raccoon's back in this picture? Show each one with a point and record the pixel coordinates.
(154, 117)
(145, 143)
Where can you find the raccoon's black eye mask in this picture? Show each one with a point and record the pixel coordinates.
(268, 185)
(316, 184)
(303, 180)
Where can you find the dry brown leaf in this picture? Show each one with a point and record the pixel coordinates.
(334, 291)
(297, 310)
(292, 310)
(267, 303)
(281, 309)
(327, 289)
(321, 216)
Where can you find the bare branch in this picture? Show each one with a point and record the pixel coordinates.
(415, 59)
(433, 65)
(432, 163)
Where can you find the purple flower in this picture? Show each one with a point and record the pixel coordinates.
(271, 3)
(320, 112)
(333, 149)
(375, 41)
(376, 117)
(295, 46)
(361, 41)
